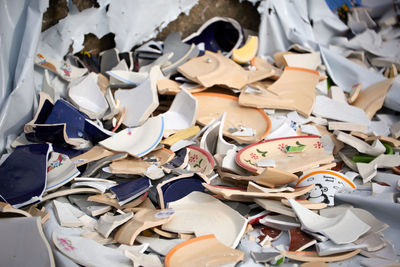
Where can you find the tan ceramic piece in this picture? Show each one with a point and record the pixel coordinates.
(95, 153)
(371, 99)
(307, 204)
(165, 234)
(40, 213)
(280, 95)
(227, 193)
(170, 87)
(375, 149)
(347, 126)
(275, 149)
(313, 256)
(216, 69)
(314, 264)
(130, 165)
(107, 223)
(162, 155)
(142, 220)
(67, 192)
(107, 199)
(262, 64)
(213, 105)
(275, 206)
(6, 210)
(338, 144)
(181, 135)
(395, 129)
(203, 251)
(354, 93)
(278, 58)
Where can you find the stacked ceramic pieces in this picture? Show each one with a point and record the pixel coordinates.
(198, 152)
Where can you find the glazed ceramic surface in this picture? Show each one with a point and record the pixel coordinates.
(202, 214)
(137, 141)
(327, 183)
(275, 149)
(24, 175)
(61, 68)
(178, 187)
(200, 160)
(212, 106)
(60, 170)
(23, 243)
(127, 191)
(203, 251)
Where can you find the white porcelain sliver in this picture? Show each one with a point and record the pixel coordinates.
(182, 113)
(87, 96)
(137, 141)
(141, 101)
(342, 229)
(126, 77)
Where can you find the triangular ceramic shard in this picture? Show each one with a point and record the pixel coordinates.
(371, 99)
(205, 250)
(307, 60)
(62, 69)
(213, 105)
(130, 165)
(281, 94)
(202, 214)
(299, 240)
(87, 252)
(330, 109)
(23, 243)
(141, 101)
(200, 160)
(107, 223)
(214, 69)
(276, 149)
(178, 187)
(182, 113)
(65, 215)
(137, 141)
(128, 191)
(16, 184)
(121, 77)
(95, 153)
(143, 219)
(86, 95)
(182, 52)
(109, 59)
(60, 170)
(218, 34)
(342, 229)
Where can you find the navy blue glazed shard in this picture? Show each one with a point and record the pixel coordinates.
(95, 133)
(23, 175)
(48, 133)
(179, 159)
(128, 191)
(180, 188)
(218, 34)
(70, 152)
(64, 112)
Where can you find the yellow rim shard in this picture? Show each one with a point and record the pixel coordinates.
(246, 52)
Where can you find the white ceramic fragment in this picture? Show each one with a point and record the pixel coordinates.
(369, 170)
(373, 241)
(141, 101)
(281, 222)
(101, 186)
(65, 216)
(375, 149)
(342, 229)
(107, 223)
(283, 131)
(88, 252)
(60, 170)
(141, 259)
(126, 77)
(137, 141)
(328, 248)
(229, 163)
(158, 245)
(203, 214)
(330, 109)
(309, 129)
(182, 113)
(307, 60)
(87, 96)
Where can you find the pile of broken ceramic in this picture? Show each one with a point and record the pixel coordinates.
(200, 153)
